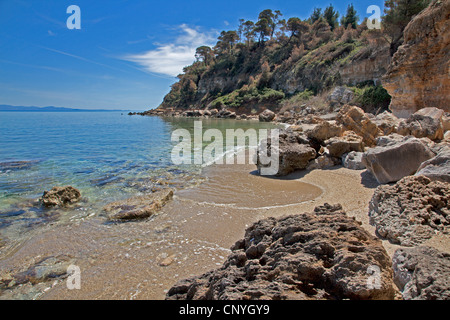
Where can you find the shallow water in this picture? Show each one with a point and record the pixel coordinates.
(119, 158)
(107, 156)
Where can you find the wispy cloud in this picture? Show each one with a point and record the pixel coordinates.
(170, 59)
(82, 59)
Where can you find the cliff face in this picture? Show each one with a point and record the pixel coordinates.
(335, 63)
(419, 75)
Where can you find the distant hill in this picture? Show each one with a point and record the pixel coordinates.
(50, 109)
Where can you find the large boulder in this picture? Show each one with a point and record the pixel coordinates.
(411, 211)
(437, 168)
(324, 130)
(354, 119)
(353, 161)
(293, 153)
(138, 207)
(267, 116)
(60, 196)
(387, 122)
(425, 123)
(319, 255)
(393, 162)
(322, 162)
(422, 273)
(349, 142)
(340, 96)
(418, 75)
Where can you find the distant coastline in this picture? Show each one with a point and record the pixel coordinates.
(8, 108)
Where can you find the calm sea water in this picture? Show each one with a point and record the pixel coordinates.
(107, 156)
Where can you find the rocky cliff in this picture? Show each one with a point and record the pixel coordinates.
(419, 75)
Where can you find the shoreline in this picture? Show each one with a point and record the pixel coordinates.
(142, 260)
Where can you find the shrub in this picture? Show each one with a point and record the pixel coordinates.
(373, 99)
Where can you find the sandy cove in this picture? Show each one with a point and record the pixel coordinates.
(190, 236)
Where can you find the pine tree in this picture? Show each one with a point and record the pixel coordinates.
(398, 13)
(331, 16)
(351, 18)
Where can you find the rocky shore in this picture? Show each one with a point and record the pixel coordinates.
(410, 206)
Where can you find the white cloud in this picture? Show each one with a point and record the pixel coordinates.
(171, 58)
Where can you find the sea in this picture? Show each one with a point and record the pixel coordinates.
(108, 156)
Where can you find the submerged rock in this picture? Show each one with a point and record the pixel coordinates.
(411, 211)
(422, 273)
(17, 165)
(138, 207)
(60, 196)
(33, 279)
(319, 255)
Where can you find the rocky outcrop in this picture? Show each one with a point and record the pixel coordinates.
(138, 207)
(324, 130)
(422, 273)
(319, 255)
(322, 162)
(387, 122)
(340, 96)
(60, 196)
(425, 123)
(411, 211)
(267, 116)
(369, 64)
(437, 168)
(294, 153)
(395, 161)
(418, 75)
(353, 161)
(354, 119)
(349, 142)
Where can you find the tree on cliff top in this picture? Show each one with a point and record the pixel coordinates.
(316, 15)
(351, 18)
(331, 16)
(398, 13)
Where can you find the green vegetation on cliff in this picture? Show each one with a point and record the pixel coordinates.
(272, 60)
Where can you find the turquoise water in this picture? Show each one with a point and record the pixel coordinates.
(107, 156)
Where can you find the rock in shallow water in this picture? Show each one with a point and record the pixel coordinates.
(319, 255)
(138, 207)
(60, 196)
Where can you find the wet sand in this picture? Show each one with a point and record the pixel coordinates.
(191, 235)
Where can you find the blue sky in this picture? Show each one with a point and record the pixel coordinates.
(127, 52)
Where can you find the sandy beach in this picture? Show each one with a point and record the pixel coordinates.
(190, 236)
